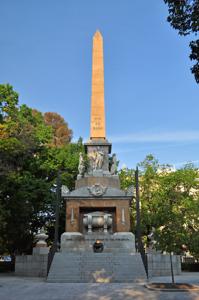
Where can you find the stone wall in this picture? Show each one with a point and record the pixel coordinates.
(32, 265)
(159, 265)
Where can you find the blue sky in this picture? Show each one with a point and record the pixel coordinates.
(151, 98)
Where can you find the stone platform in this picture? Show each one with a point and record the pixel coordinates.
(77, 261)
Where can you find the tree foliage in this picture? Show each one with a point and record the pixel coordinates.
(62, 135)
(28, 170)
(8, 101)
(184, 17)
(169, 203)
(127, 178)
(23, 132)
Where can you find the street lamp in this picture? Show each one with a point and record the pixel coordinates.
(55, 245)
(138, 223)
(57, 190)
(138, 229)
(57, 210)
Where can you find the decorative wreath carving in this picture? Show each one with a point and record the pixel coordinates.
(97, 190)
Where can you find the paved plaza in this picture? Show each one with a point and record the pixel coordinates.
(19, 288)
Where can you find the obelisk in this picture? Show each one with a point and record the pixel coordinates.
(97, 129)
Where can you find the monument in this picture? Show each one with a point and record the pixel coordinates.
(97, 245)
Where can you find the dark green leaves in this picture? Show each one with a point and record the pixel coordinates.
(184, 17)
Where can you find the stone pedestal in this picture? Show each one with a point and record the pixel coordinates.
(72, 242)
(78, 262)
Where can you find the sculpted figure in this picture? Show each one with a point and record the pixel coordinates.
(99, 160)
(114, 165)
(81, 166)
(96, 159)
(92, 159)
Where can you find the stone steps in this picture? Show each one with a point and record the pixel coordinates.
(96, 267)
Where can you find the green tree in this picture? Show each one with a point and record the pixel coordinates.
(23, 190)
(23, 135)
(65, 159)
(178, 209)
(184, 17)
(26, 205)
(28, 170)
(8, 101)
(127, 178)
(169, 203)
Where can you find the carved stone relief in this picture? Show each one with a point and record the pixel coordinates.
(97, 190)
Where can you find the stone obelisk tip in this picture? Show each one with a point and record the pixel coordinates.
(97, 130)
(97, 34)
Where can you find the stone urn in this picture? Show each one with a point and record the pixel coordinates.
(41, 238)
(97, 221)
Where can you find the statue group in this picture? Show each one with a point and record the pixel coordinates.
(97, 160)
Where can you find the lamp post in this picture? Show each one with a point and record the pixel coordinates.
(55, 244)
(57, 210)
(57, 206)
(57, 191)
(138, 223)
(138, 229)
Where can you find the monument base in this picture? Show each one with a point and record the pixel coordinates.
(77, 261)
(117, 242)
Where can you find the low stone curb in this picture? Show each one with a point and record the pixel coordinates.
(190, 287)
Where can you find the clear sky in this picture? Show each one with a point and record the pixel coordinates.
(151, 98)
